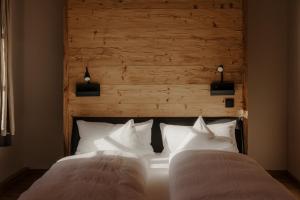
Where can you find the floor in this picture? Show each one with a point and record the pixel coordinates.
(21, 183)
(289, 182)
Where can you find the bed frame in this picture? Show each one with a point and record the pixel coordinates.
(157, 143)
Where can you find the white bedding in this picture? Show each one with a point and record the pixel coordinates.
(103, 175)
(136, 175)
(196, 174)
(106, 174)
(157, 184)
(217, 175)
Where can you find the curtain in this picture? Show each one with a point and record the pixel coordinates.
(7, 122)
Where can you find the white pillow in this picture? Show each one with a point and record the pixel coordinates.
(122, 139)
(196, 141)
(144, 132)
(104, 136)
(91, 131)
(224, 130)
(200, 126)
(173, 135)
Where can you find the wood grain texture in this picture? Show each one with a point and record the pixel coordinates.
(155, 110)
(157, 94)
(153, 57)
(245, 74)
(157, 4)
(66, 124)
(153, 75)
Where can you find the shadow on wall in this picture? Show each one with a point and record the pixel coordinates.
(43, 82)
(267, 80)
(294, 90)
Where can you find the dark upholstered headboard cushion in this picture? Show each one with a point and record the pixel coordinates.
(157, 143)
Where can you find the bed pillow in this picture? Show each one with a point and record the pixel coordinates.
(144, 133)
(201, 127)
(122, 139)
(196, 141)
(225, 130)
(223, 134)
(173, 135)
(91, 131)
(125, 140)
(103, 136)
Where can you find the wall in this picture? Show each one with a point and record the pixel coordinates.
(154, 58)
(294, 90)
(267, 79)
(42, 84)
(11, 157)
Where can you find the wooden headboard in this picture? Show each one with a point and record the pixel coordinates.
(153, 58)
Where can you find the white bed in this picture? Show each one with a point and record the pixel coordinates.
(109, 155)
(117, 162)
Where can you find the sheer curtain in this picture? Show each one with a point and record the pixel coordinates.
(7, 122)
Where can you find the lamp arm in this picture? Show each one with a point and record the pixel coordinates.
(222, 77)
(87, 76)
(221, 71)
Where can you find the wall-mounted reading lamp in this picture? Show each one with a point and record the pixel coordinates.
(87, 88)
(222, 87)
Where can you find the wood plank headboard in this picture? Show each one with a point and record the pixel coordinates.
(153, 58)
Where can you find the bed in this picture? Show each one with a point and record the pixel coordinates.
(157, 181)
(114, 174)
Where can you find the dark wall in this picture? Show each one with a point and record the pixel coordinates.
(294, 89)
(267, 79)
(43, 82)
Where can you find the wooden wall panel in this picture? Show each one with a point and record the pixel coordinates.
(158, 75)
(156, 94)
(156, 4)
(153, 57)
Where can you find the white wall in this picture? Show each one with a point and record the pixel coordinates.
(267, 64)
(294, 90)
(11, 157)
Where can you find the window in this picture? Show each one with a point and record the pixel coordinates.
(6, 84)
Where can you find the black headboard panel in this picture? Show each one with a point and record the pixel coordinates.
(157, 143)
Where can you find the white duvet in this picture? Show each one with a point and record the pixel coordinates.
(199, 174)
(218, 175)
(93, 176)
